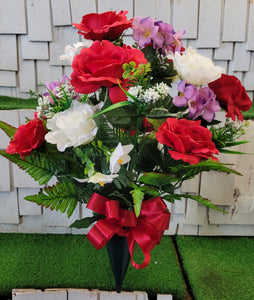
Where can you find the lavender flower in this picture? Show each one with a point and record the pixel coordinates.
(144, 30)
(187, 92)
(161, 34)
(200, 102)
(208, 104)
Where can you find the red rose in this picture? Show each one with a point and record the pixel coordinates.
(27, 138)
(102, 65)
(106, 26)
(190, 141)
(231, 95)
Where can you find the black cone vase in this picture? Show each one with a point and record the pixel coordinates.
(119, 257)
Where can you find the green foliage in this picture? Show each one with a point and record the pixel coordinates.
(184, 172)
(62, 196)
(40, 168)
(8, 129)
(105, 133)
(204, 201)
(162, 69)
(60, 104)
(85, 223)
(157, 179)
(147, 156)
(123, 117)
(136, 75)
(226, 136)
(138, 197)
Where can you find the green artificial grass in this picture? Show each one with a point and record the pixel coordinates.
(249, 114)
(8, 103)
(218, 268)
(70, 261)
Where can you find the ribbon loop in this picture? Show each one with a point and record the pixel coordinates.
(146, 230)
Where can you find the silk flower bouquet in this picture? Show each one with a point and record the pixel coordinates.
(128, 128)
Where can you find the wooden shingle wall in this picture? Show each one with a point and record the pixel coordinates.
(33, 33)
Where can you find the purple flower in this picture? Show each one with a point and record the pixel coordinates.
(187, 92)
(205, 105)
(201, 102)
(208, 104)
(144, 30)
(164, 35)
(167, 39)
(54, 84)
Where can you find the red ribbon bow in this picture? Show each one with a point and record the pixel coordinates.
(146, 230)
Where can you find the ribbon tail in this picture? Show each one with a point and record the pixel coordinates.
(147, 254)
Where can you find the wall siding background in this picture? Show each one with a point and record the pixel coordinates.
(34, 33)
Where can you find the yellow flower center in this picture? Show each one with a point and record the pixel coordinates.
(120, 161)
(101, 183)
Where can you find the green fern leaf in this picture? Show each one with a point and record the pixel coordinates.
(8, 129)
(185, 172)
(62, 196)
(138, 197)
(105, 132)
(206, 202)
(38, 167)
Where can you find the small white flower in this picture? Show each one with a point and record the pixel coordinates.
(134, 91)
(195, 68)
(119, 157)
(163, 89)
(100, 178)
(151, 95)
(71, 51)
(72, 127)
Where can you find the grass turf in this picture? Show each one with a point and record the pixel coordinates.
(8, 103)
(67, 261)
(218, 268)
(249, 114)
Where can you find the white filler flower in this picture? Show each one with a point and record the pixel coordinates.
(72, 127)
(119, 157)
(195, 68)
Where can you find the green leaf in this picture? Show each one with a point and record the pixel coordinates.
(233, 152)
(112, 107)
(8, 129)
(84, 223)
(156, 122)
(236, 143)
(160, 113)
(38, 167)
(157, 179)
(201, 200)
(138, 197)
(62, 196)
(105, 132)
(185, 172)
(123, 117)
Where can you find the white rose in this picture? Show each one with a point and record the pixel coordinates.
(195, 68)
(71, 128)
(71, 51)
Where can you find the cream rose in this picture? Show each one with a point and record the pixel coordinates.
(71, 51)
(72, 127)
(195, 68)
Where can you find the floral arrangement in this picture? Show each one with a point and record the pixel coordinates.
(128, 128)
